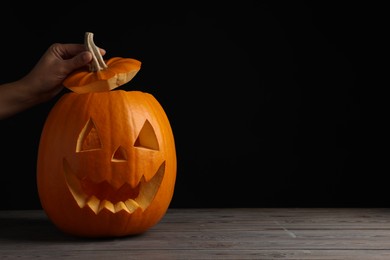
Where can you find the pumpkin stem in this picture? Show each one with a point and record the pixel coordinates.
(97, 62)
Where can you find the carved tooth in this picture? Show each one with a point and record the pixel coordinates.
(93, 203)
(105, 204)
(121, 206)
(131, 205)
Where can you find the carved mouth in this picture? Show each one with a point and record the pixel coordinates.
(99, 196)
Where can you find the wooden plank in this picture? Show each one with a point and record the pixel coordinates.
(213, 233)
(274, 218)
(199, 254)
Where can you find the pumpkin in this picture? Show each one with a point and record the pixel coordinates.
(106, 162)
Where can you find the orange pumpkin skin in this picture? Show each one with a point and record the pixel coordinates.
(106, 163)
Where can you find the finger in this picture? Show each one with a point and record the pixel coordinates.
(80, 60)
(69, 50)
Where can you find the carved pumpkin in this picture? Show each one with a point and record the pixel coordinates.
(106, 163)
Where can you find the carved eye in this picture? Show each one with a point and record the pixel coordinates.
(147, 138)
(89, 138)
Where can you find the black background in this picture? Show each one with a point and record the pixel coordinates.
(265, 98)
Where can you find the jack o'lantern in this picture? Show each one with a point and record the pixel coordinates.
(106, 160)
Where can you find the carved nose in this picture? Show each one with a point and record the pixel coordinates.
(120, 155)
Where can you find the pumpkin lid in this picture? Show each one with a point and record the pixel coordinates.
(101, 75)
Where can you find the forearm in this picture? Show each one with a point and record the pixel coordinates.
(14, 98)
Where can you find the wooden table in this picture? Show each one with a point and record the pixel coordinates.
(225, 233)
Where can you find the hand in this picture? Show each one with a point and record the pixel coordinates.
(45, 79)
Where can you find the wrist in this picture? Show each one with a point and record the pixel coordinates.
(25, 91)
